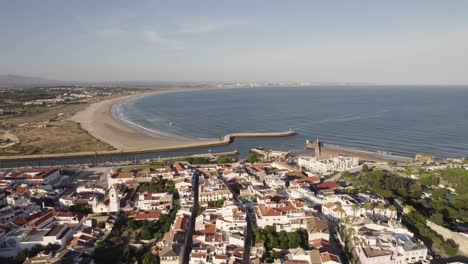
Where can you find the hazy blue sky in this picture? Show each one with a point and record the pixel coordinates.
(320, 41)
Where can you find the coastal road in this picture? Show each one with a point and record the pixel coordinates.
(338, 175)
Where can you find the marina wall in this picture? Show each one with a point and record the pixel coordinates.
(224, 140)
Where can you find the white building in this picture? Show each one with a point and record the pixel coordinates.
(215, 195)
(148, 201)
(111, 205)
(119, 178)
(18, 200)
(46, 176)
(326, 166)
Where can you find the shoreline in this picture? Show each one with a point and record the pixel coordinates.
(100, 121)
(329, 150)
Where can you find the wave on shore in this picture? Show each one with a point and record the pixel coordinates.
(378, 154)
(119, 116)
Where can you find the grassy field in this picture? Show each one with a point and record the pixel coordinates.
(44, 130)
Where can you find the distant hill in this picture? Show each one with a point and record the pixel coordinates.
(20, 81)
(17, 81)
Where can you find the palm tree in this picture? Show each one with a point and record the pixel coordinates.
(341, 213)
(381, 208)
(367, 207)
(346, 220)
(351, 233)
(355, 207)
(392, 209)
(356, 240)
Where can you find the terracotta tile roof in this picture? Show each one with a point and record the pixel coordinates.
(21, 189)
(309, 179)
(179, 224)
(288, 207)
(122, 175)
(287, 166)
(329, 257)
(64, 214)
(327, 185)
(27, 219)
(81, 202)
(178, 167)
(296, 173)
(316, 225)
(267, 211)
(152, 215)
(209, 229)
(198, 255)
(41, 219)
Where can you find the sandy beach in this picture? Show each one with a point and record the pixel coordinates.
(330, 151)
(97, 119)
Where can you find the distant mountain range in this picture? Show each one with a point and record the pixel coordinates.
(16, 81)
(20, 81)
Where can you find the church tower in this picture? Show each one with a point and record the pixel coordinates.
(114, 201)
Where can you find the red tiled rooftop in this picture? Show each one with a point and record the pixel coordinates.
(122, 175)
(327, 185)
(148, 216)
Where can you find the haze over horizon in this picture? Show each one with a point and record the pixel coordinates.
(397, 42)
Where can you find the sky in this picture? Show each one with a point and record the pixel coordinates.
(385, 42)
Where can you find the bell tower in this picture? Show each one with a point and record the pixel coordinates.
(114, 201)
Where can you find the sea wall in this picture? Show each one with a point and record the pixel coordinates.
(224, 140)
(460, 239)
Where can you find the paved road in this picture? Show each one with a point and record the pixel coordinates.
(338, 175)
(335, 242)
(189, 235)
(247, 242)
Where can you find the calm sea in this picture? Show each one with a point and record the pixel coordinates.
(398, 120)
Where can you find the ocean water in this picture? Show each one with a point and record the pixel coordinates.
(394, 119)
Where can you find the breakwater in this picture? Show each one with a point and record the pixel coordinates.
(224, 140)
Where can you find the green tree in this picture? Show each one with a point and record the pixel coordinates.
(449, 249)
(294, 240)
(276, 255)
(365, 168)
(437, 218)
(272, 241)
(35, 250)
(148, 258)
(81, 209)
(22, 256)
(132, 223)
(224, 159)
(145, 233)
(252, 158)
(283, 239)
(392, 210)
